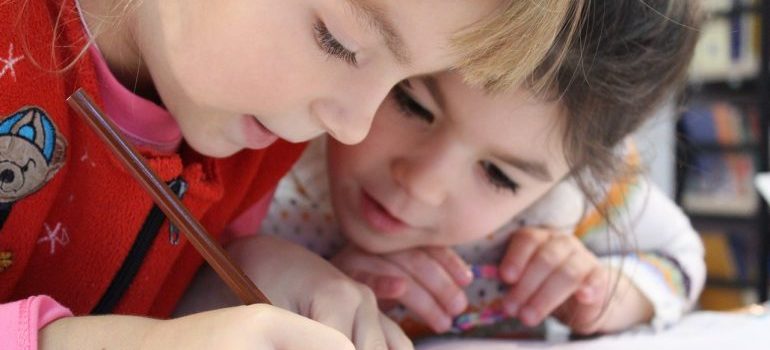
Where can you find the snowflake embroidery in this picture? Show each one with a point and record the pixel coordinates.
(8, 63)
(85, 158)
(57, 235)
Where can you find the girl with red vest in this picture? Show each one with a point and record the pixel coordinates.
(208, 92)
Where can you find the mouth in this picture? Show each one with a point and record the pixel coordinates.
(256, 135)
(378, 217)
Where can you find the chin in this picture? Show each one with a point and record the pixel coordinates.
(377, 250)
(220, 150)
(374, 246)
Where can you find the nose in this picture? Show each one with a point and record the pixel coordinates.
(7, 176)
(347, 116)
(427, 177)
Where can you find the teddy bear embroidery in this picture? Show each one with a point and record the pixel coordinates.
(31, 152)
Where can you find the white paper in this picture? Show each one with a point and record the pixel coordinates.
(700, 330)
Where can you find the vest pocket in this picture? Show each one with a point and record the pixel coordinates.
(5, 211)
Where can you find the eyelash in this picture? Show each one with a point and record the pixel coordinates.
(497, 178)
(331, 46)
(409, 107)
(412, 109)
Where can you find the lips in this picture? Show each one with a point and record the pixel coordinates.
(256, 135)
(378, 217)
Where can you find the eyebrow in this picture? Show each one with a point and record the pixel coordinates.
(376, 17)
(535, 169)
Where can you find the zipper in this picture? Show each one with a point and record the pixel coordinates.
(5, 211)
(127, 272)
(173, 231)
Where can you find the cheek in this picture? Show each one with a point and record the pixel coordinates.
(475, 218)
(480, 214)
(392, 134)
(350, 168)
(372, 156)
(253, 85)
(343, 161)
(233, 65)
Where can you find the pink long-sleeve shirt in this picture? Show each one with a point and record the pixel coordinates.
(21, 320)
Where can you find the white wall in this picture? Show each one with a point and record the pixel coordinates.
(656, 142)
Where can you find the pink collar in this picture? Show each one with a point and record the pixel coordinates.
(145, 123)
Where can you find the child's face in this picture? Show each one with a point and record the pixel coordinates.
(444, 164)
(299, 68)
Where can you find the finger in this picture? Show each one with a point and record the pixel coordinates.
(337, 306)
(394, 335)
(341, 319)
(368, 332)
(277, 321)
(433, 278)
(388, 304)
(385, 278)
(384, 287)
(521, 247)
(452, 263)
(421, 303)
(595, 288)
(556, 289)
(586, 318)
(550, 255)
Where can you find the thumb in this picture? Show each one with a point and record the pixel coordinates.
(383, 286)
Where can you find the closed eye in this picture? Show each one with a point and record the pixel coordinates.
(26, 166)
(331, 46)
(409, 107)
(497, 177)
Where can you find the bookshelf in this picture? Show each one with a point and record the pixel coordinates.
(722, 139)
(763, 221)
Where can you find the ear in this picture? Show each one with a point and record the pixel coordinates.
(58, 158)
(29, 114)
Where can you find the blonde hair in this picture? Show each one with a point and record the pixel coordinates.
(499, 52)
(68, 10)
(504, 50)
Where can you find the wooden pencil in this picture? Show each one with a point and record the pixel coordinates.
(168, 202)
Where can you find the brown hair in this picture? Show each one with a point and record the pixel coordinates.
(627, 58)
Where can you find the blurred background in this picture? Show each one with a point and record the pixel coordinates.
(706, 150)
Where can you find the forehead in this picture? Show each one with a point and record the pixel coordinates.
(426, 27)
(515, 121)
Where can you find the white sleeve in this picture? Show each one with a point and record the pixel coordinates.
(659, 251)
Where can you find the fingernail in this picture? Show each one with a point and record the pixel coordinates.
(467, 276)
(444, 324)
(511, 308)
(510, 275)
(528, 316)
(587, 294)
(458, 304)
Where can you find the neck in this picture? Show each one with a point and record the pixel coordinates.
(112, 24)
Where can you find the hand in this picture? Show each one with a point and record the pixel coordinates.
(627, 307)
(242, 327)
(427, 281)
(547, 268)
(301, 281)
(550, 271)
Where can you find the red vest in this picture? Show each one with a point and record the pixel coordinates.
(73, 212)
